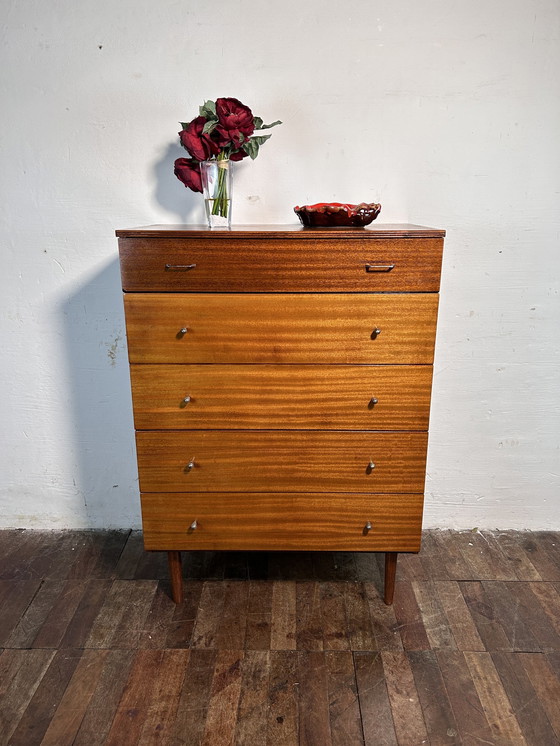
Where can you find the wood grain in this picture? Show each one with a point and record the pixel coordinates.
(494, 700)
(166, 687)
(403, 696)
(251, 723)
(458, 616)
(437, 711)
(37, 716)
(377, 721)
(21, 672)
(409, 618)
(314, 711)
(435, 621)
(344, 706)
(485, 616)
(284, 625)
(176, 692)
(193, 704)
(105, 699)
(467, 708)
(293, 461)
(266, 328)
(281, 263)
(283, 699)
(530, 715)
(224, 699)
(282, 521)
(309, 633)
(305, 397)
(67, 719)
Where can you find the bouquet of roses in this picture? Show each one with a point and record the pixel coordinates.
(224, 130)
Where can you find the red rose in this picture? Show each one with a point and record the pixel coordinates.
(233, 115)
(187, 170)
(225, 137)
(199, 145)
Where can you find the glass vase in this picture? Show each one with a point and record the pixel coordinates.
(217, 186)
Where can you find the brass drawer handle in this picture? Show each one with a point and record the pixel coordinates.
(190, 465)
(372, 402)
(179, 267)
(379, 267)
(186, 400)
(370, 467)
(194, 525)
(367, 528)
(376, 332)
(182, 331)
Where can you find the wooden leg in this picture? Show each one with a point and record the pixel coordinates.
(176, 575)
(390, 572)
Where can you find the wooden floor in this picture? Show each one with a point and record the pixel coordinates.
(279, 649)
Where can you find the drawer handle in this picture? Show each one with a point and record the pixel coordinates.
(185, 401)
(179, 267)
(194, 525)
(370, 467)
(182, 331)
(376, 332)
(372, 402)
(190, 465)
(379, 267)
(367, 527)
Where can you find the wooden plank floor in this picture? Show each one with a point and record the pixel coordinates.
(280, 649)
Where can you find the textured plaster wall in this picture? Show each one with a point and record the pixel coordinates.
(446, 112)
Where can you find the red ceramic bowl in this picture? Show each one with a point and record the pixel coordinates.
(326, 214)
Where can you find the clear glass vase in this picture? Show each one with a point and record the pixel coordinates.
(217, 186)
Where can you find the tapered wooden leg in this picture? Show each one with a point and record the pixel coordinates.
(390, 572)
(176, 575)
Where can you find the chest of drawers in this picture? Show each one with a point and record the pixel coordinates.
(281, 382)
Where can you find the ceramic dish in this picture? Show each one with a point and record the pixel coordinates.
(326, 214)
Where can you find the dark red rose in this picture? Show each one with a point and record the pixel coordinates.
(199, 145)
(238, 156)
(187, 170)
(233, 115)
(225, 137)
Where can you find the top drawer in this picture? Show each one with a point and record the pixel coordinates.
(232, 263)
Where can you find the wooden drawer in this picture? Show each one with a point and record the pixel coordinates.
(280, 461)
(267, 328)
(232, 263)
(269, 521)
(281, 397)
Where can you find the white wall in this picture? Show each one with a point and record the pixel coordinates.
(446, 112)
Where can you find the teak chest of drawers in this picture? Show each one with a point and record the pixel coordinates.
(281, 382)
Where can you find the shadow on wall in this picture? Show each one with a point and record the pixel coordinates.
(99, 401)
(171, 194)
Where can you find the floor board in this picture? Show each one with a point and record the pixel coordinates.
(279, 649)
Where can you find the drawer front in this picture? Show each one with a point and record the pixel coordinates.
(305, 328)
(230, 264)
(366, 397)
(291, 461)
(282, 521)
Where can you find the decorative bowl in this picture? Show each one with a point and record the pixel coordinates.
(326, 214)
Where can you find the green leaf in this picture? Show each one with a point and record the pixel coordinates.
(184, 125)
(251, 147)
(260, 139)
(208, 110)
(210, 125)
(268, 126)
(258, 122)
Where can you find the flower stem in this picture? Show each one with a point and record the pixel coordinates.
(221, 202)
